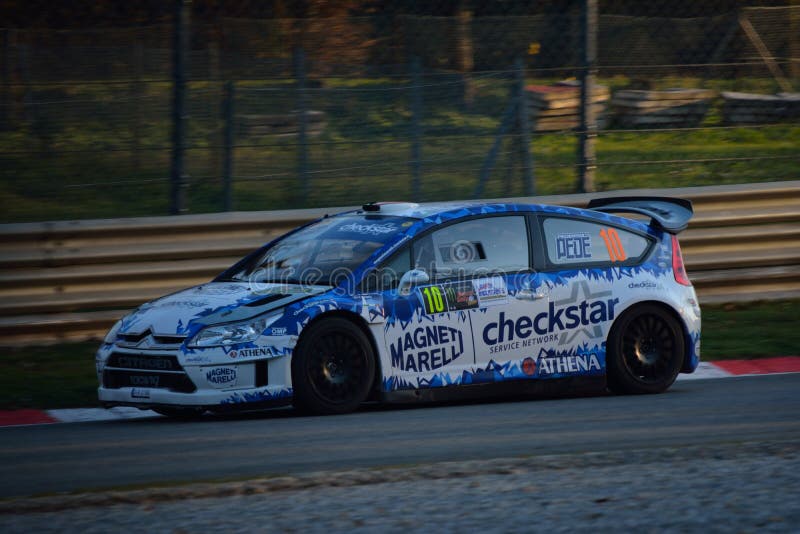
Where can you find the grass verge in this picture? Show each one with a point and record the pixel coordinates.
(63, 376)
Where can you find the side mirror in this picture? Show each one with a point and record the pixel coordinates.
(411, 279)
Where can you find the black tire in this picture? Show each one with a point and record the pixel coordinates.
(645, 351)
(184, 413)
(333, 367)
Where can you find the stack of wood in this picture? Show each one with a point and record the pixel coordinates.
(282, 124)
(557, 107)
(749, 108)
(669, 108)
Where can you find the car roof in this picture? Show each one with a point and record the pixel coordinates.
(434, 213)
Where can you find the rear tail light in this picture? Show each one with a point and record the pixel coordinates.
(677, 263)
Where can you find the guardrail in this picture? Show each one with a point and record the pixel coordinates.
(70, 280)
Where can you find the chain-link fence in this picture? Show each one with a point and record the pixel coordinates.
(324, 111)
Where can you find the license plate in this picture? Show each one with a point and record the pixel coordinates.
(140, 393)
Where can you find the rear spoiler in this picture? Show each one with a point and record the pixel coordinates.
(670, 214)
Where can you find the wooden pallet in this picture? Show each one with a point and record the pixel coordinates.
(557, 107)
(751, 108)
(661, 109)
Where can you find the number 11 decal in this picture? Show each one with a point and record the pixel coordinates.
(613, 244)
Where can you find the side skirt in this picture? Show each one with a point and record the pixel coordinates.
(577, 385)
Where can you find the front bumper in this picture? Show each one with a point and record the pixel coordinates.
(146, 398)
(152, 378)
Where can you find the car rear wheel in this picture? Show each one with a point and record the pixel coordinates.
(645, 351)
(333, 367)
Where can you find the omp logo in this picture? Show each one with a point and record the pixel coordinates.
(560, 316)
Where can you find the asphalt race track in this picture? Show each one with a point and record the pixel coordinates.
(90, 456)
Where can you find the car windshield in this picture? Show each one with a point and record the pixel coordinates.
(323, 252)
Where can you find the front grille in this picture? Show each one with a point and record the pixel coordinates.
(146, 371)
(133, 340)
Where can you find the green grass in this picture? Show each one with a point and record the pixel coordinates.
(55, 376)
(750, 330)
(63, 376)
(74, 160)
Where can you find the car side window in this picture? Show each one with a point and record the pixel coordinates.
(573, 241)
(387, 275)
(474, 247)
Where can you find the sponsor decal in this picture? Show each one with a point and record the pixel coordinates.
(197, 359)
(577, 246)
(449, 297)
(278, 331)
(643, 285)
(221, 376)
(247, 353)
(490, 291)
(216, 289)
(547, 323)
(368, 229)
(182, 303)
(427, 348)
(139, 393)
(568, 364)
(461, 296)
(529, 366)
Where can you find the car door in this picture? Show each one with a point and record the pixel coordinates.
(482, 266)
(426, 341)
(585, 271)
(510, 323)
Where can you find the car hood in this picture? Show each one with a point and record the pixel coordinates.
(189, 310)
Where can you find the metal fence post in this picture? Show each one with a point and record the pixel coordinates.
(794, 42)
(416, 130)
(524, 124)
(228, 115)
(136, 91)
(302, 118)
(29, 111)
(5, 101)
(587, 133)
(180, 46)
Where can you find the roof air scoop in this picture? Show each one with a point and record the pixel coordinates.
(388, 208)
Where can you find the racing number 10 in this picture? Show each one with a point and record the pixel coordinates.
(435, 302)
(613, 244)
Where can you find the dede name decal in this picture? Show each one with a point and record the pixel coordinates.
(549, 322)
(573, 246)
(427, 348)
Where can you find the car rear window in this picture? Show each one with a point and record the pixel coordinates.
(574, 241)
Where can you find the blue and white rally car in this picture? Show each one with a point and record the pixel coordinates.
(406, 302)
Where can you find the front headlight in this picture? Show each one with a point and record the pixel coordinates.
(232, 333)
(112, 334)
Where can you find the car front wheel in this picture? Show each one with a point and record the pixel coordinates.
(333, 367)
(645, 351)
